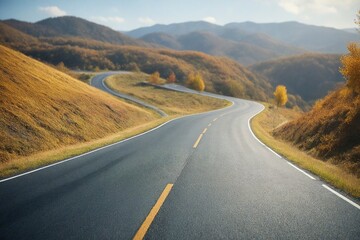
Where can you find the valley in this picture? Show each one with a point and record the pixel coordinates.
(179, 120)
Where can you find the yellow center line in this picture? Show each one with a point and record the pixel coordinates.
(204, 131)
(209, 125)
(197, 141)
(214, 119)
(140, 234)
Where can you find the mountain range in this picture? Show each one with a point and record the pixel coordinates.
(248, 42)
(81, 44)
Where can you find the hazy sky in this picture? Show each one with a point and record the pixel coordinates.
(130, 14)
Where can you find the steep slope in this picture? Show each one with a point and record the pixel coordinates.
(74, 27)
(311, 76)
(9, 35)
(44, 109)
(313, 38)
(330, 130)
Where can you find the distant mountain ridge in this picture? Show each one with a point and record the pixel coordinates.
(285, 39)
(246, 48)
(73, 27)
(310, 37)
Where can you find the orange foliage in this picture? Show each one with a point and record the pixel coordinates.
(171, 78)
(154, 78)
(351, 67)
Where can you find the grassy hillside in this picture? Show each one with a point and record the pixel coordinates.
(272, 119)
(173, 103)
(330, 130)
(311, 76)
(43, 109)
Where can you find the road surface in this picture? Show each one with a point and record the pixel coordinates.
(226, 185)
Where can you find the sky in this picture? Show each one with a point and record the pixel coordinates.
(127, 15)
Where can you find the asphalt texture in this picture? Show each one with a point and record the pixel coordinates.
(229, 187)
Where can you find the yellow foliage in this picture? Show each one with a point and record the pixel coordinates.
(351, 67)
(195, 81)
(154, 78)
(280, 95)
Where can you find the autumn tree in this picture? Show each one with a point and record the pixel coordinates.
(154, 78)
(195, 81)
(171, 78)
(351, 64)
(280, 95)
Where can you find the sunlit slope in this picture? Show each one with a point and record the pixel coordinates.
(43, 109)
(330, 130)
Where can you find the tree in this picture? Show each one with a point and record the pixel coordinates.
(154, 78)
(351, 67)
(351, 64)
(195, 81)
(171, 78)
(280, 95)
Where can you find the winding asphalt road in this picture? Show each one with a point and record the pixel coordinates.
(98, 82)
(226, 185)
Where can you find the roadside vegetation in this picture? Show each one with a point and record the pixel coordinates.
(326, 139)
(172, 102)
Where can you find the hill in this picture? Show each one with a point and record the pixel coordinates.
(311, 76)
(309, 37)
(242, 46)
(73, 27)
(43, 109)
(10, 36)
(330, 130)
(222, 75)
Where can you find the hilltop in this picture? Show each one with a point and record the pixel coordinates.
(68, 26)
(43, 109)
(310, 76)
(248, 42)
(242, 46)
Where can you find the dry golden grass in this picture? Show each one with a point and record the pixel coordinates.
(43, 109)
(42, 158)
(263, 126)
(173, 103)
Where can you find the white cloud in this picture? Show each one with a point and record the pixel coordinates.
(53, 11)
(108, 19)
(210, 19)
(146, 21)
(289, 6)
(299, 7)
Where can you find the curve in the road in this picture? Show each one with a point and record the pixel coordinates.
(226, 186)
(98, 81)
